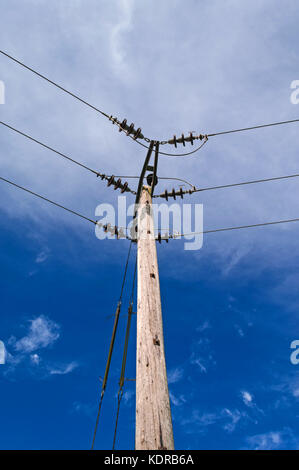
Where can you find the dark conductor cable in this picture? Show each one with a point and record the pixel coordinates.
(55, 84)
(253, 127)
(111, 347)
(48, 200)
(226, 229)
(49, 148)
(125, 353)
(223, 186)
(169, 236)
(124, 187)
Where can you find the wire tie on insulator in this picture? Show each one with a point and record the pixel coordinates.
(105, 228)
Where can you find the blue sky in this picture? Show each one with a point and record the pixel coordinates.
(230, 309)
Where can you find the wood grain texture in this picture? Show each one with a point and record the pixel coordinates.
(153, 414)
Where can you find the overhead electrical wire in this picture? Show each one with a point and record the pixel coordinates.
(169, 236)
(253, 127)
(48, 200)
(224, 186)
(109, 178)
(50, 148)
(264, 180)
(55, 84)
(125, 353)
(226, 229)
(97, 173)
(108, 363)
(115, 121)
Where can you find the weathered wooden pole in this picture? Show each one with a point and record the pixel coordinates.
(153, 415)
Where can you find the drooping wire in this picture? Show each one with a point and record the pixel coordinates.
(111, 347)
(176, 154)
(123, 129)
(224, 186)
(125, 353)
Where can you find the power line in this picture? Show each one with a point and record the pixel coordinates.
(180, 192)
(160, 178)
(50, 148)
(104, 384)
(76, 161)
(175, 235)
(114, 120)
(276, 178)
(176, 154)
(55, 84)
(107, 227)
(124, 187)
(125, 353)
(48, 200)
(253, 127)
(234, 228)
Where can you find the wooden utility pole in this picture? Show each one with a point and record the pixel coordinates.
(153, 415)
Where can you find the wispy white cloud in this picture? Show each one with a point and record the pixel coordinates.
(177, 400)
(226, 418)
(273, 440)
(204, 326)
(128, 396)
(202, 355)
(42, 256)
(233, 416)
(35, 359)
(117, 35)
(175, 375)
(247, 398)
(86, 409)
(42, 332)
(63, 369)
